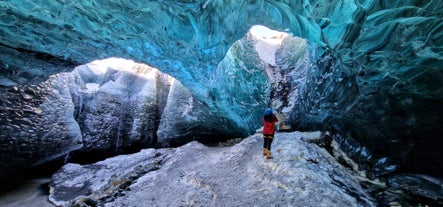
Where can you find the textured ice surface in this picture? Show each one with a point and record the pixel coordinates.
(301, 174)
(118, 103)
(37, 124)
(374, 73)
(95, 107)
(186, 119)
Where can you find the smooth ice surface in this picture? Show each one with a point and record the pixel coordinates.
(31, 193)
(186, 119)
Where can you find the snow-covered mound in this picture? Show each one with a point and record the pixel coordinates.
(301, 174)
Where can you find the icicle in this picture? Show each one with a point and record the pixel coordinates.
(206, 4)
(80, 104)
(119, 133)
(66, 158)
(117, 141)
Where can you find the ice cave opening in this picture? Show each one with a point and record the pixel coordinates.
(368, 73)
(249, 72)
(120, 106)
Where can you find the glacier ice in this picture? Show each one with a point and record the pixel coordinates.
(195, 174)
(371, 73)
(37, 124)
(122, 105)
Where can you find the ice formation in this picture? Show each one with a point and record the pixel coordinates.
(370, 72)
(301, 174)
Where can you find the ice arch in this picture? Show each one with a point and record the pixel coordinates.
(375, 74)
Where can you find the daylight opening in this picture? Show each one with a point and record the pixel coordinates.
(268, 44)
(268, 35)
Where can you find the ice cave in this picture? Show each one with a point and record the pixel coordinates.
(118, 95)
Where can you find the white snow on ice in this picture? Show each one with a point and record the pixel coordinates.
(301, 174)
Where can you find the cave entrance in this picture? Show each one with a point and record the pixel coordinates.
(285, 60)
(118, 105)
(268, 44)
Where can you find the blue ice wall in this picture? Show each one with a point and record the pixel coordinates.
(376, 75)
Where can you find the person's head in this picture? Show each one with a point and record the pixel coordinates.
(268, 112)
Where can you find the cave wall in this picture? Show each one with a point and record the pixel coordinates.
(376, 75)
(382, 88)
(37, 124)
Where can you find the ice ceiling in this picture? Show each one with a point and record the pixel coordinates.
(375, 75)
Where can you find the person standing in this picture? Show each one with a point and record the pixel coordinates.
(269, 120)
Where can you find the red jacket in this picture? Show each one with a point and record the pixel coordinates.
(269, 125)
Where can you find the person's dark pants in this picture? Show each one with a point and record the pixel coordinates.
(267, 141)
